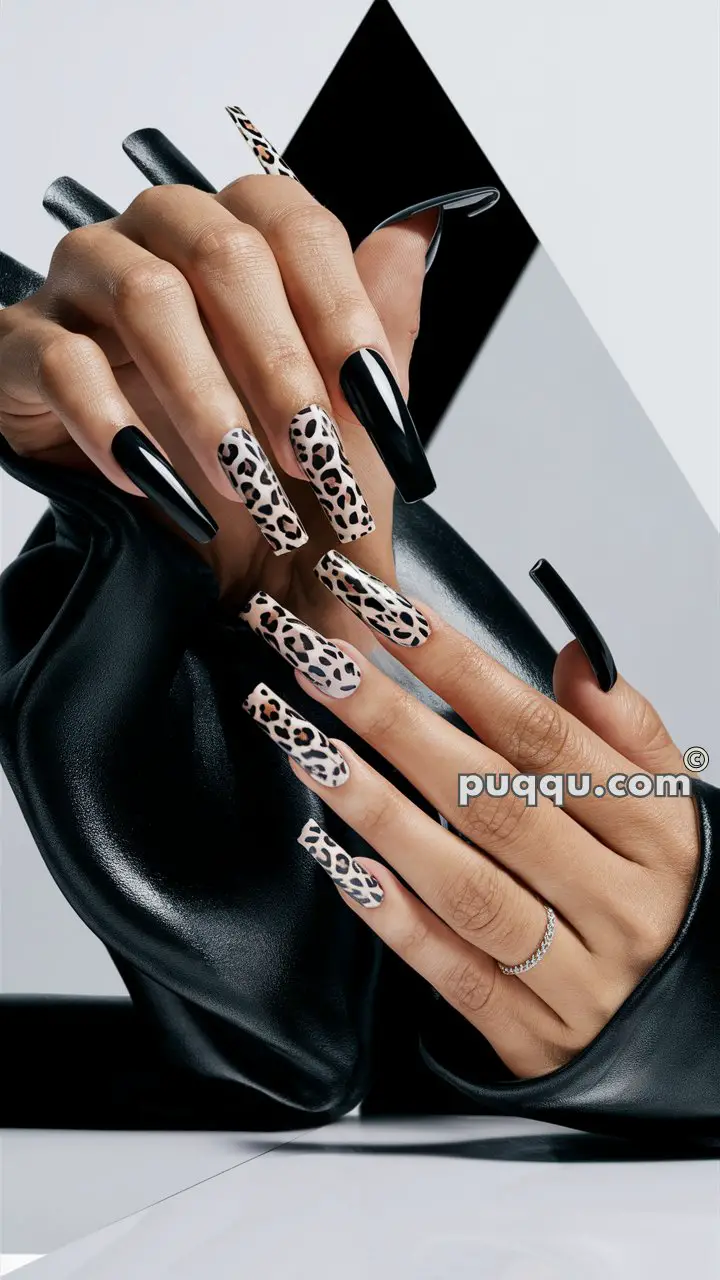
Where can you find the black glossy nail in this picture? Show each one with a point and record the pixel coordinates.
(474, 200)
(377, 402)
(74, 205)
(160, 161)
(153, 474)
(17, 281)
(579, 621)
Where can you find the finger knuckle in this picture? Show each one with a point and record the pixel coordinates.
(490, 821)
(75, 247)
(306, 221)
(539, 733)
(150, 281)
(63, 356)
(471, 986)
(413, 939)
(377, 817)
(149, 204)
(230, 249)
(472, 901)
(385, 717)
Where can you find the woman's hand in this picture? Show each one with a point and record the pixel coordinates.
(221, 328)
(617, 873)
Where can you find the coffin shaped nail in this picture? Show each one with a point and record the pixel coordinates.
(372, 600)
(316, 444)
(251, 474)
(297, 737)
(474, 199)
(579, 621)
(268, 155)
(75, 205)
(303, 647)
(357, 883)
(150, 470)
(160, 161)
(375, 398)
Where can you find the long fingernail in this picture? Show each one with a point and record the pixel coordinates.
(75, 205)
(150, 470)
(357, 883)
(268, 155)
(474, 199)
(251, 474)
(316, 445)
(303, 647)
(372, 600)
(297, 737)
(159, 160)
(377, 402)
(579, 621)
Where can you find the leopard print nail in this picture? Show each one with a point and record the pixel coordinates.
(297, 737)
(270, 158)
(316, 445)
(303, 647)
(381, 607)
(357, 883)
(250, 472)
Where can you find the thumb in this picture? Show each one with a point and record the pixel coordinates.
(586, 683)
(391, 265)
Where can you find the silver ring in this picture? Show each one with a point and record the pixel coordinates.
(514, 970)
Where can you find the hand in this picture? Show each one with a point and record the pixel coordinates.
(191, 316)
(618, 873)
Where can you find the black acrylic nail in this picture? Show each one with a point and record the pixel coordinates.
(579, 621)
(153, 474)
(74, 205)
(17, 282)
(160, 161)
(377, 402)
(474, 199)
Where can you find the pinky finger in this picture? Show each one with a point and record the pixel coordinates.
(522, 1029)
(69, 374)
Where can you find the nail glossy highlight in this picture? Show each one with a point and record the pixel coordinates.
(304, 648)
(573, 614)
(317, 447)
(343, 870)
(474, 199)
(388, 612)
(297, 737)
(253, 477)
(375, 398)
(150, 470)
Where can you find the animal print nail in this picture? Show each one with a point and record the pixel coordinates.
(250, 472)
(269, 157)
(357, 883)
(297, 737)
(322, 662)
(383, 608)
(316, 445)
